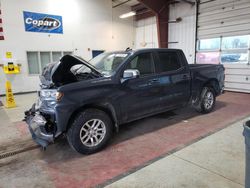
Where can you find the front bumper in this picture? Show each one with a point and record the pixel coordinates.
(36, 123)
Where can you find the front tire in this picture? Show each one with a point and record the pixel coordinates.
(90, 131)
(206, 101)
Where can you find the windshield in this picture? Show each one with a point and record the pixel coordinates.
(107, 63)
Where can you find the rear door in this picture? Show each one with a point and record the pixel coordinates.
(141, 95)
(174, 77)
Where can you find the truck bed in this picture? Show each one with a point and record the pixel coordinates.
(195, 66)
(205, 72)
(205, 69)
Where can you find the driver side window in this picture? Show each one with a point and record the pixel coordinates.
(143, 63)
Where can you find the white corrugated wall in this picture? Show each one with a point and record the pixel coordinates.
(224, 18)
(146, 33)
(182, 34)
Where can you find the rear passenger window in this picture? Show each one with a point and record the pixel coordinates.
(143, 63)
(168, 62)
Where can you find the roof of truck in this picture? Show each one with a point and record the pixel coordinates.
(131, 51)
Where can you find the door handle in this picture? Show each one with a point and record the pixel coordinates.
(155, 80)
(185, 77)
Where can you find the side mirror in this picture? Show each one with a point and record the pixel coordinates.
(131, 73)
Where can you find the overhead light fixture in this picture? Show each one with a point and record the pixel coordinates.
(126, 15)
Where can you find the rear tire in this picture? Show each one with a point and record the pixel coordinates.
(206, 101)
(90, 131)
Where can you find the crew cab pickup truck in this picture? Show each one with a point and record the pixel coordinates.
(88, 101)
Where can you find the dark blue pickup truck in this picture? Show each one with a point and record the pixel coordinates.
(88, 101)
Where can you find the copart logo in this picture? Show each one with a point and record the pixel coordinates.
(45, 23)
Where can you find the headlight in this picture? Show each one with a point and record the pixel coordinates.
(48, 94)
(59, 95)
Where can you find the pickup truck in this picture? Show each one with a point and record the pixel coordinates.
(88, 101)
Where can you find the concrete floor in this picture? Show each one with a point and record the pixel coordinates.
(10, 119)
(215, 161)
(166, 150)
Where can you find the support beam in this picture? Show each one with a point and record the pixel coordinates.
(122, 3)
(142, 12)
(162, 28)
(144, 15)
(138, 6)
(161, 10)
(155, 6)
(189, 2)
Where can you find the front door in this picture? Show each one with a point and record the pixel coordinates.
(141, 95)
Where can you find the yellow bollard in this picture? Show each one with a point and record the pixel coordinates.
(10, 101)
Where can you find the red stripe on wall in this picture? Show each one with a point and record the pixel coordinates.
(1, 37)
(1, 20)
(1, 29)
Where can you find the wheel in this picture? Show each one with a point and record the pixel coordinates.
(90, 131)
(206, 101)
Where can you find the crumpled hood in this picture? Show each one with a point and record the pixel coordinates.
(58, 73)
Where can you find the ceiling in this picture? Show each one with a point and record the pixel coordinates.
(142, 11)
(126, 2)
(135, 2)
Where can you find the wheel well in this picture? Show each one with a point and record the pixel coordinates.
(93, 106)
(214, 84)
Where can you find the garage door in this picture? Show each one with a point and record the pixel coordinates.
(223, 34)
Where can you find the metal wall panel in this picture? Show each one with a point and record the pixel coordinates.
(238, 86)
(146, 35)
(222, 18)
(237, 71)
(238, 79)
(206, 6)
(182, 34)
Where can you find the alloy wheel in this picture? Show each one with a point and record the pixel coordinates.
(92, 132)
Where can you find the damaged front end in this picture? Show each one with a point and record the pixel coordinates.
(41, 118)
(39, 127)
